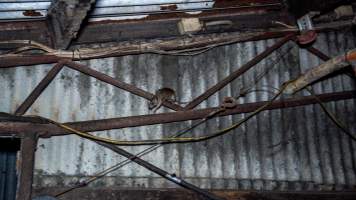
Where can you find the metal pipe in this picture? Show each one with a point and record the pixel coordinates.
(237, 73)
(324, 57)
(48, 130)
(39, 89)
(160, 172)
(320, 71)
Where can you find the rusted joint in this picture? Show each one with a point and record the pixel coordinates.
(229, 103)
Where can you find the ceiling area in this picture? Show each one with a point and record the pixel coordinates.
(246, 99)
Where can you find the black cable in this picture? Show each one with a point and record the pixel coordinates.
(138, 155)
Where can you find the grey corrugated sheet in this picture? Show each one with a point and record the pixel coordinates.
(318, 155)
(103, 9)
(8, 177)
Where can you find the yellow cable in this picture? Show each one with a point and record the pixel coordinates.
(170, 139)
(331, 115)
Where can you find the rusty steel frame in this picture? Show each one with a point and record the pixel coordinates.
(29, 141)
(48, 130)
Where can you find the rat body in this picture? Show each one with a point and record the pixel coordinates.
(162, 95)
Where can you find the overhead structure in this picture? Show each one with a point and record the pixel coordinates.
(62, 32)
(66, 18)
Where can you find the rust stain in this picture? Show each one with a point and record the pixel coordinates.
(231, 3)
(179, 14)
(32, 13)
(170, 7)
(231, 7)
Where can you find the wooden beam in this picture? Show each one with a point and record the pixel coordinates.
(65, 18)
(179, 194)
(27, 161)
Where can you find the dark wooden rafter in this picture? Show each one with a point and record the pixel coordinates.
(160, 45)
(65, 18)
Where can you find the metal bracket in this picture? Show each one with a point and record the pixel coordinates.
(306, 28)
(305, 23)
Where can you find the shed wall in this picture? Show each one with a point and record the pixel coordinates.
(317, 155)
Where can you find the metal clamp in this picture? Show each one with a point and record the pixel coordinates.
(229, 103)
(306, 28)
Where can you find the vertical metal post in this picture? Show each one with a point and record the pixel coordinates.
(27, 161)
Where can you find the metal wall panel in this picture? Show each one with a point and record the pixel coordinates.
(103, 9)
(109, 9)
(317, 156)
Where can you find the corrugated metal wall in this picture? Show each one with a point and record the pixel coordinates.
(318, 155)
(103, 9)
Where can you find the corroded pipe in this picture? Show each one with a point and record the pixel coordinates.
(321, 71)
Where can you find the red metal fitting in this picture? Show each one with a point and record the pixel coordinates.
(307, 37)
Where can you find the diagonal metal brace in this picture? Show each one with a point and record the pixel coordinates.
(237, 73)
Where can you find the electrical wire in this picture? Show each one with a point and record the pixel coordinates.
(170, 139)
(154, 147)
(333, 118)
(328, 113)
(268, 89)
(138, 155)
(245, 91)
(89, 53)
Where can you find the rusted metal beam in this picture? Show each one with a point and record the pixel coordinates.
(318, 53)
(39, 89)
(48, 130)
(237, 73)
(122, 85)
(27, 160)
